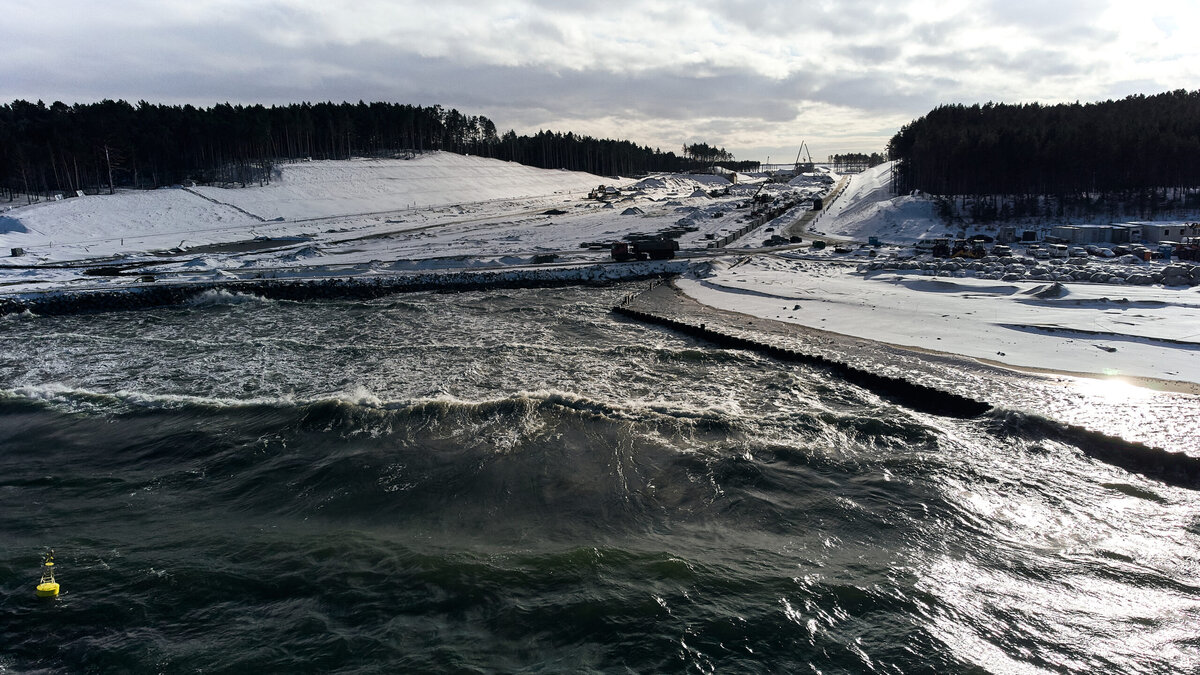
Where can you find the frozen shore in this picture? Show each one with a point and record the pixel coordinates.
(1151, 333)
(1157, 413)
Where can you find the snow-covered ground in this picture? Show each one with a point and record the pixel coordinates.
(442, 211)
(1042, 321)
(437, 211)
(1151, 332)
(867, 208)
(306, 199)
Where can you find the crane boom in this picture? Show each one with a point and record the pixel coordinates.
(807, 165)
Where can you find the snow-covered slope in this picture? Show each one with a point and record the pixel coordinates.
(360, 186)
(100, 224)
(437, 211)
(137, 221)
(867, 208)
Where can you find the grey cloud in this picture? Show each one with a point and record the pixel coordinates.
(1048, 63)
(1132, 87)
(664, 93)
(278, 52)
(882, 93)
(583, 6)
(871, 54)
(1033, 65)
(193, 66)
(1036, 13)
(542, 28)
(1059, 21)
(960, 61)
(789, 18)
(932, 33)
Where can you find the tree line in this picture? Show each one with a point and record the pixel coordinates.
(1051, 159)
(706, 154)
(856, 161)
(98, 147)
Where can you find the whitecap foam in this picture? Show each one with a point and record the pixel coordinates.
(18, 316)
(60, 393)
(223, 297)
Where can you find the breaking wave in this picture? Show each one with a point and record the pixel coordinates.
(214, 297)
(522, 483)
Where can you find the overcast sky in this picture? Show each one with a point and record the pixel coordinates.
(753, 76)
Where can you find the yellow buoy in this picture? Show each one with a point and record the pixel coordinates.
(48, 587)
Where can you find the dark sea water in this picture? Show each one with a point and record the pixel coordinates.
(520, 481)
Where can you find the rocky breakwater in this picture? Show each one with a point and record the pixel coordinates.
(158, 294)
(929, 382)
(905, 392)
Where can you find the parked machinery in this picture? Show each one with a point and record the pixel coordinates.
(1189, 249)
(658, 248)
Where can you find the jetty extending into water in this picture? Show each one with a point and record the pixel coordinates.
(162, 294)
(847, 358)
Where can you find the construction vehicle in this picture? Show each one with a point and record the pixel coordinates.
(967, 249)
(1189, 249)
(603, 192)
(658, 248)
(934, 246)
(807, 165)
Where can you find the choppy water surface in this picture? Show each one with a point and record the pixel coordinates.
(521, 482)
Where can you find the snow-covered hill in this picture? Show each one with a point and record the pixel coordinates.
(867, 208)
(133, 221)
(360, 186)
(437, 211)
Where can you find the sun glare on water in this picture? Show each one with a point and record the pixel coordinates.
(1114, 390)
